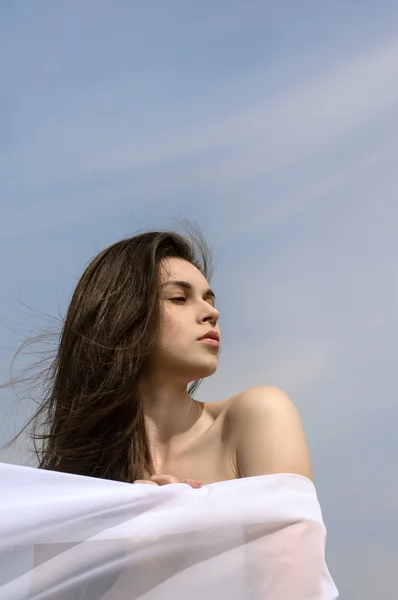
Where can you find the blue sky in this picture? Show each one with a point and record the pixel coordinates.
(275, 127)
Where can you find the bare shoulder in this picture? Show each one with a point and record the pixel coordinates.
(263, 398)
(267, 433)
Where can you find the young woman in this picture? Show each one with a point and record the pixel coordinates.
(141, 326)
(141, 331)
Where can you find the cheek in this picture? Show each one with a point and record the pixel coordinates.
(171, 323)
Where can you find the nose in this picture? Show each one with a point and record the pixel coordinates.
(211, 314)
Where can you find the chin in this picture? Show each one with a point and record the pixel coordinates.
(194, 367)
(206, 369)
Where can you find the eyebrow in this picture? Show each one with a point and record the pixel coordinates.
(186, 285)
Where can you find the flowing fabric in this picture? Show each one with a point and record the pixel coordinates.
(68, 537)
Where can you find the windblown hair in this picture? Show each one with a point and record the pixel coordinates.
(90, 420)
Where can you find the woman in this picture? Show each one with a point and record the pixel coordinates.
(142, 326)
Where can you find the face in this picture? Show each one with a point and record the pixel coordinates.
(188, 314)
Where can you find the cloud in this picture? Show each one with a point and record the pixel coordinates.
(103, 160)
(327, 108)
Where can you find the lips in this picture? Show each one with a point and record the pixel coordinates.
(211, 335)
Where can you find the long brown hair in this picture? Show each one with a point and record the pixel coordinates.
(90, 420)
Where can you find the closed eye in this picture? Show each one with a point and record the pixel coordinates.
(179, 299)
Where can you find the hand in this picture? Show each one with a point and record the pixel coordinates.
(165, 479)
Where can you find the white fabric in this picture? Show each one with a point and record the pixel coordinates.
(67, 537)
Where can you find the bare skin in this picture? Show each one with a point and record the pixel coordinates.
(256, 432)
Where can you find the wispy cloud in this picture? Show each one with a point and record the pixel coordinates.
(326, 108)
(324, 112)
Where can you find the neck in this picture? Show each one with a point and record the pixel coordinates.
(170, 413)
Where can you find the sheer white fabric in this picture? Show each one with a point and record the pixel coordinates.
(68, 537)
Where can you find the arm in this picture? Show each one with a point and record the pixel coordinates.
(287, 563)
(269, 437)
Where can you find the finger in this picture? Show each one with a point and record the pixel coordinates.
(164, 479)
(192, 482)
(145, 481)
